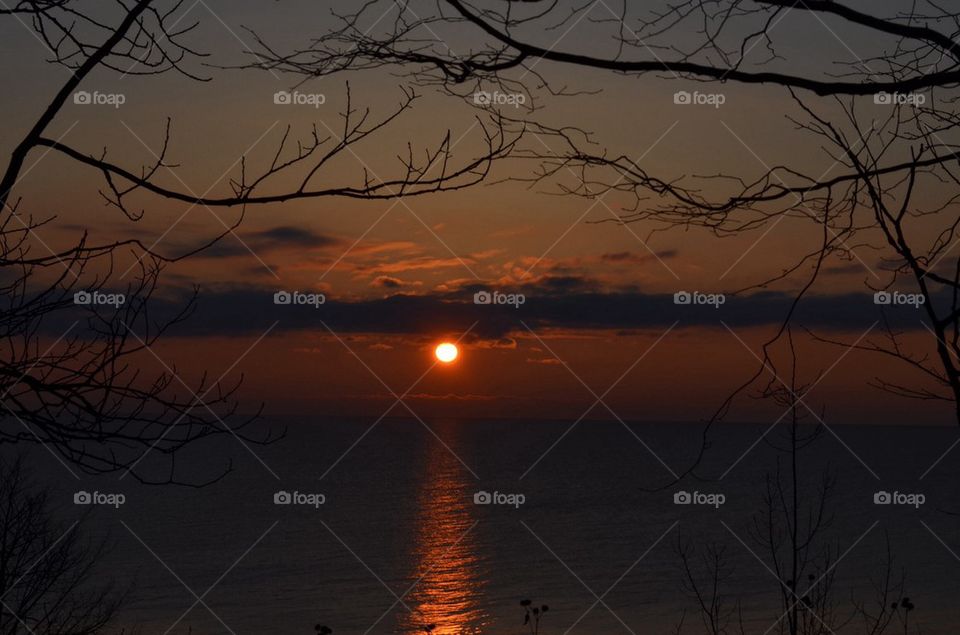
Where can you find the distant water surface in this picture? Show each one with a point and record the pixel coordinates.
(400, 545)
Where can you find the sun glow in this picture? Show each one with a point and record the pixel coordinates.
(446, 352)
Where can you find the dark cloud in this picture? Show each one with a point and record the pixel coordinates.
(280, 237)
(219, 311)
(286, 235)
(387, 282)
(566, 284)
(635, 258)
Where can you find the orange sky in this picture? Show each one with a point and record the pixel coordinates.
(504, 235)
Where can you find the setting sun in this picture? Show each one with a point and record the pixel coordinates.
(446, 352)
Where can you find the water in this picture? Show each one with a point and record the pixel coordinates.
(400, 545)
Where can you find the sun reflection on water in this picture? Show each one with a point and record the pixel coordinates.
(448, 584)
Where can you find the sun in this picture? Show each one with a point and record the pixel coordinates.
(446, 352)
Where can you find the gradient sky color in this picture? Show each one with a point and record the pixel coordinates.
(399, 277)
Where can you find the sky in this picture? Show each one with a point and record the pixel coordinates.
(598, 334)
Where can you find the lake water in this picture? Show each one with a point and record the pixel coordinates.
(399, 542)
